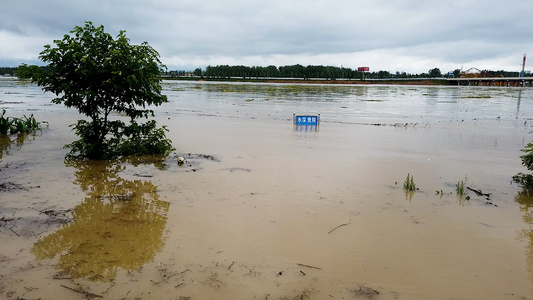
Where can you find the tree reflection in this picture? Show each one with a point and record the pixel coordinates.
(6, 141)
(5, 144)
(120, 224)
(525, 198)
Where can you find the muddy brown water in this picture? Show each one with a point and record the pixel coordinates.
(261, 210)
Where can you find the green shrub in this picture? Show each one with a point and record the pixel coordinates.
(526, 180)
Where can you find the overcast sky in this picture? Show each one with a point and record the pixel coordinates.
(392, 35)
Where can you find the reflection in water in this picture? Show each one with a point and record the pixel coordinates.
(5, 144)
(518, 103)
(120, 224)
(525, 198)
(6, 141)
(409, 195)
(462, 200)
(305, 128)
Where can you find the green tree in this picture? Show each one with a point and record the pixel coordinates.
(103, 78)
(197, 72)
(383, 74)
(456, 73)
(435, 72)
(24, 71)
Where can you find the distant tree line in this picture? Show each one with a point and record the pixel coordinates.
(7, 71)
(298, 71)
(23, 71)
(292, 71)
(318, 72)
(305, 72)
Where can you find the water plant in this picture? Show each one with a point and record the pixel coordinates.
(409, 184)
(11, 125)
(5, 123)
(460, 188)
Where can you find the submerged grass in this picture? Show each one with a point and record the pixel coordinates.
(460, 188)
(409, 184)
(478, 97)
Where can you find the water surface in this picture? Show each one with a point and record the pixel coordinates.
(255, 210)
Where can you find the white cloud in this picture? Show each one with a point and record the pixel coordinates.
(21, 47)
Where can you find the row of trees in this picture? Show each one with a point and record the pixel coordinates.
(7, 70)
(320, 72)
(23, 71)
(292, 71)
(299, 71)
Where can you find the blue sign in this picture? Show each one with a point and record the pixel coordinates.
(306, 120)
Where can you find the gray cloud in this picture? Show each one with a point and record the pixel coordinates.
(403, 35)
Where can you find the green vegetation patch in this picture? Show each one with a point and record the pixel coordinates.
(526, 180)
(460, 188)
(11, 125)
(477, 97)
(409, 184)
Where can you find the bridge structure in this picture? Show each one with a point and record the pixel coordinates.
(492, 81)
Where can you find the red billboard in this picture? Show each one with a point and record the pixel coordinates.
(363, 69)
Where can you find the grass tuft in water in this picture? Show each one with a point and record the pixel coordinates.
(460, 188)
(409, 184)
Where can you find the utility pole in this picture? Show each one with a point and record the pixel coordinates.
(523, 73)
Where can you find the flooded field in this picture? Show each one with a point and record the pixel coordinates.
(265, 210)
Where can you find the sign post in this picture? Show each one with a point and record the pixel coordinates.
(363, 69)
